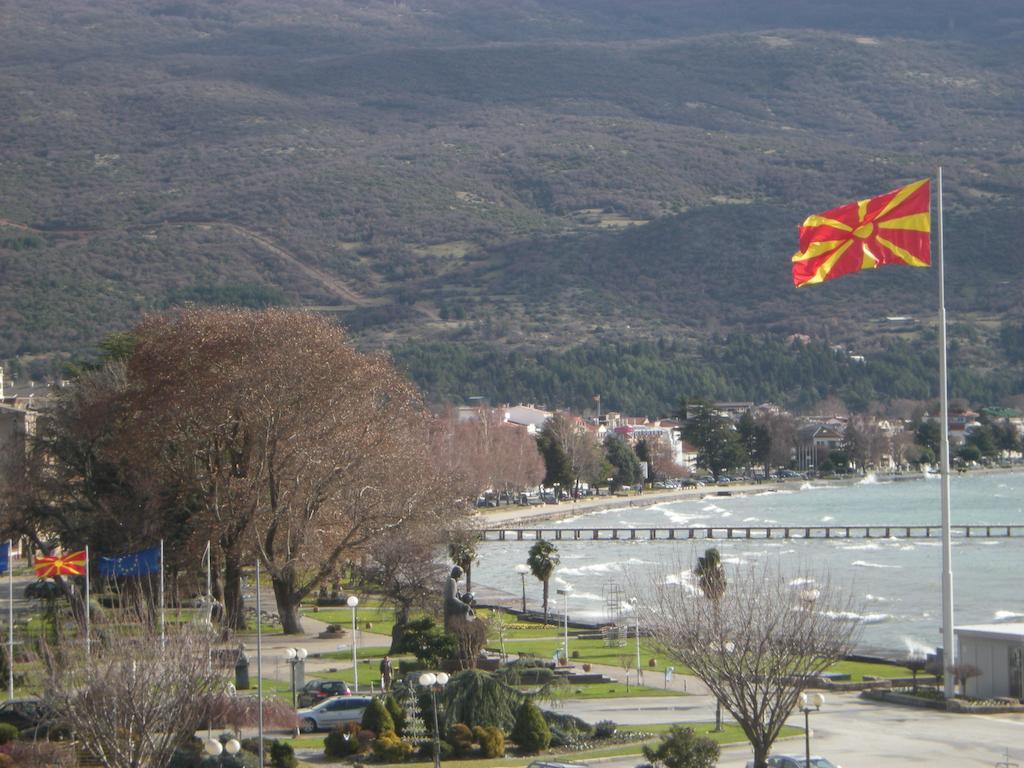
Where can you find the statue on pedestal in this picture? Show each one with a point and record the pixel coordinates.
(457, 606)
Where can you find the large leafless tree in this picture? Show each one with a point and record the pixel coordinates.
(131, 699)
(298, 446)
(757, 645)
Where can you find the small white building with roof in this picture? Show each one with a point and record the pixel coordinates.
(996, 651)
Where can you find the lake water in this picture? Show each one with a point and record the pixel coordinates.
(896, 582)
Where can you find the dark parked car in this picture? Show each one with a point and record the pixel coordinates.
(33, 719)
(42, 589)
(316, 691)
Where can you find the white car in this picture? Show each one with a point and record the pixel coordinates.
(796, 761)
(327, 714)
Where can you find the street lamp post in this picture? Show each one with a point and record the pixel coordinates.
(522, 569)
(352, 602)
(636, 614)
(214, 748)
(565, 611)
(435, 682)
(815, 700)
(295, 656)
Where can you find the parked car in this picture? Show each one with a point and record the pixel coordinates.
(33, 719)
(795, 761)
(328, 713)
(42, 589)
(315, 691)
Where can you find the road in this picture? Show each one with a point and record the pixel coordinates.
(848, 730)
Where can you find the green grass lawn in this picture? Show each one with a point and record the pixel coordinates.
(380, 617)
(857, 670)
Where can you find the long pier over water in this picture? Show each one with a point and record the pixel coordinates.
(823, 532)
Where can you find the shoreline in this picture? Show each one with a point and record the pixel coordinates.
(520, 517)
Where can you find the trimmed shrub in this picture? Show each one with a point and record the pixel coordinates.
(491, 739)
(398, 716)
(683, 748)
(282, 755)
(461, 738)
(427, 750)
(390, 749)
(531, 733)
(604, 729)
(335, 743)
(377, 719)
(8, 733)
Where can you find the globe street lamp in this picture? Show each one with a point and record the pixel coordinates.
(352, 602)
(806, 702)
(565, 611)
(522, 569)
(295, 656)
(435, 682)
(636, 613)
(214, 748)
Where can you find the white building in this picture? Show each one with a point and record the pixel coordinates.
(997, 651)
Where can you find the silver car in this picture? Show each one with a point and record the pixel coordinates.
(327, 714)
(796, 761)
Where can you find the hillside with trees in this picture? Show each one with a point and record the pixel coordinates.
(531, 177)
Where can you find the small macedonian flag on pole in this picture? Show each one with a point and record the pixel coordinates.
(893, 228)
(61, 565)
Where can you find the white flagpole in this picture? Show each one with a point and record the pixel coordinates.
(10, 620)
(162, 636)
(88, 646)
(948, 650)
(259, 659)
(209, 566)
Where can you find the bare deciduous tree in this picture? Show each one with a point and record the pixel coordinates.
(297, 444)
(485, 453)
(757, 646)
(131, 700)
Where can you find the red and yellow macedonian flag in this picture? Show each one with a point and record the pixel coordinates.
(892, 228)
(61, 565)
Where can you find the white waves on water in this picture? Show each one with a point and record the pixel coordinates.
(866, 564)
(916, 649)
(1007, 616)
(860, 618)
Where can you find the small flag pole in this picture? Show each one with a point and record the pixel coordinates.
(209, 568)
(948, 649)
(88, 646)
(259, 659)
(162, 636)
(10, 620)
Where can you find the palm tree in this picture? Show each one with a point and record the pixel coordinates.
(543, 560)
(711, 578)
(462, 551)
(711, 575)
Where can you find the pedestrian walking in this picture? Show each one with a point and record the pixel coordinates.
(385, 674)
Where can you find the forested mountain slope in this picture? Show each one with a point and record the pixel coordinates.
(533, 175)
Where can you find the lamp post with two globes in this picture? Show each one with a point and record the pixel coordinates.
(435, 682)
(806, 702)
(214, 748)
